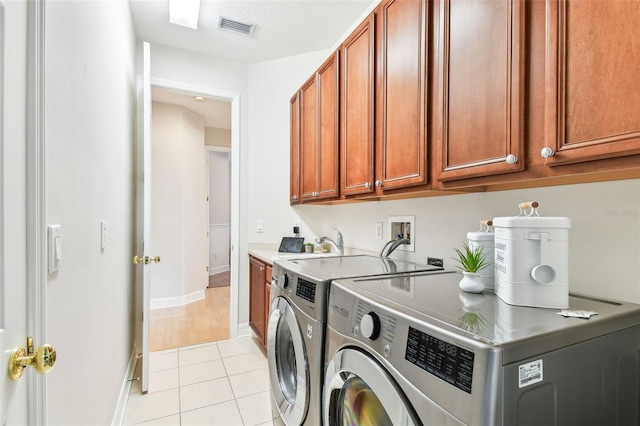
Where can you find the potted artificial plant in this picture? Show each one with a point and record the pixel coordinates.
(471, 261)
(308, 248)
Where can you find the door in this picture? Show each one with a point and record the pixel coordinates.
(143, 214)
(359, 391)
(21, 222)
(287, 357)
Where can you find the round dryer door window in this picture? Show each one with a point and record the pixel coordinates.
(358, 391)
(288, 368)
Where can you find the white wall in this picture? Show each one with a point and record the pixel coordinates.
(219, 211)
(217, 137)
(178, 222)
(90, 113)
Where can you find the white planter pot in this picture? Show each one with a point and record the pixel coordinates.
(471, 282)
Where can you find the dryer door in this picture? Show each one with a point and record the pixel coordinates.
(288, 367)
(359, 391)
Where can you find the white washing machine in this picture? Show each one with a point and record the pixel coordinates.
(296, 329)
(413, 350)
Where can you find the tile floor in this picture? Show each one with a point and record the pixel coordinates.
(219, 383)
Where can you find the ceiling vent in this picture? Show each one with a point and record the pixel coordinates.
(226, 24)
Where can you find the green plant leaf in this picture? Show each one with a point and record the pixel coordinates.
(471, 260)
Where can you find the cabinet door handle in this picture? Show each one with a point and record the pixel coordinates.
(367, 185)
(547, 152)
(378, 183)
(511, 159)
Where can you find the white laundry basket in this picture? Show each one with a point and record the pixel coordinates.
(532, 259)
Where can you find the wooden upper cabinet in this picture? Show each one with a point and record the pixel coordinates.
(592, 107)
(294, 171)
(319, 138)
(357, 109)
(401, 93)
(481, 73)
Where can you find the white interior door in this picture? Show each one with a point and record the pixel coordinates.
(18, 75)
(143, 214)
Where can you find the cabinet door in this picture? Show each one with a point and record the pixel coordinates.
(401, 93)
(308, 155)
(294, 171)
(593, 80)
(482, 87)
(257, 277)
(357, 109)
(327, 126)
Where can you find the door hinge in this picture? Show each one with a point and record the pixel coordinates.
(207, 269)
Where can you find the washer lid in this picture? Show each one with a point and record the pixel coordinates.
(521, 332)
(332, 267)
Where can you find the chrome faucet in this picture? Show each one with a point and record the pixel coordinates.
(338, 246)
(394, 245)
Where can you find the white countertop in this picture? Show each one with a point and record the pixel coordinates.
(270, 255)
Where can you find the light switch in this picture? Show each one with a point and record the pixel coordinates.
(259, 225)
(103, 234)
(55, 247)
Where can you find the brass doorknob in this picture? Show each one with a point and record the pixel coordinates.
(145, 259)
(42, 359)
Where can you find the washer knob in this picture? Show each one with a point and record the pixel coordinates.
(370, 325)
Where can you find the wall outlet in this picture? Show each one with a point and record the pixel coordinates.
(435, 261)
(378, 230)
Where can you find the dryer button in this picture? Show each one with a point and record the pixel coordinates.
(387, 351)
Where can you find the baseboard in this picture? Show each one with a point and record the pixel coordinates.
(172, 302)
(219, 270)
(121, 408)
(244, 330)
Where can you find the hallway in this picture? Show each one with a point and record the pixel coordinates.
(205, 320)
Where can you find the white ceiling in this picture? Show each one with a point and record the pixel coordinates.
(283, 28)
(217, 113)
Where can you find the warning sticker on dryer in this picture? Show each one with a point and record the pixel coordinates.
(530, 373)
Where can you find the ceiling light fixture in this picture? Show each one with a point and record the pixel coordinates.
(184, 12)
(199, 99)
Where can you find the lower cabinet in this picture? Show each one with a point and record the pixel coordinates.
(259, 294)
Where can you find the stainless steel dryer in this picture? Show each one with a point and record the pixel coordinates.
(296, 329)
(413, 350)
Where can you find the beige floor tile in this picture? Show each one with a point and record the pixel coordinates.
(243, 363)
(142, 408)
(201, 372)
(198, 354)
(163, 380)
(198, 345)
(251, 382)
(223, 414)
(163, 360)
(163, 421)
(205, 393)
(255, 409)
(239, 346)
